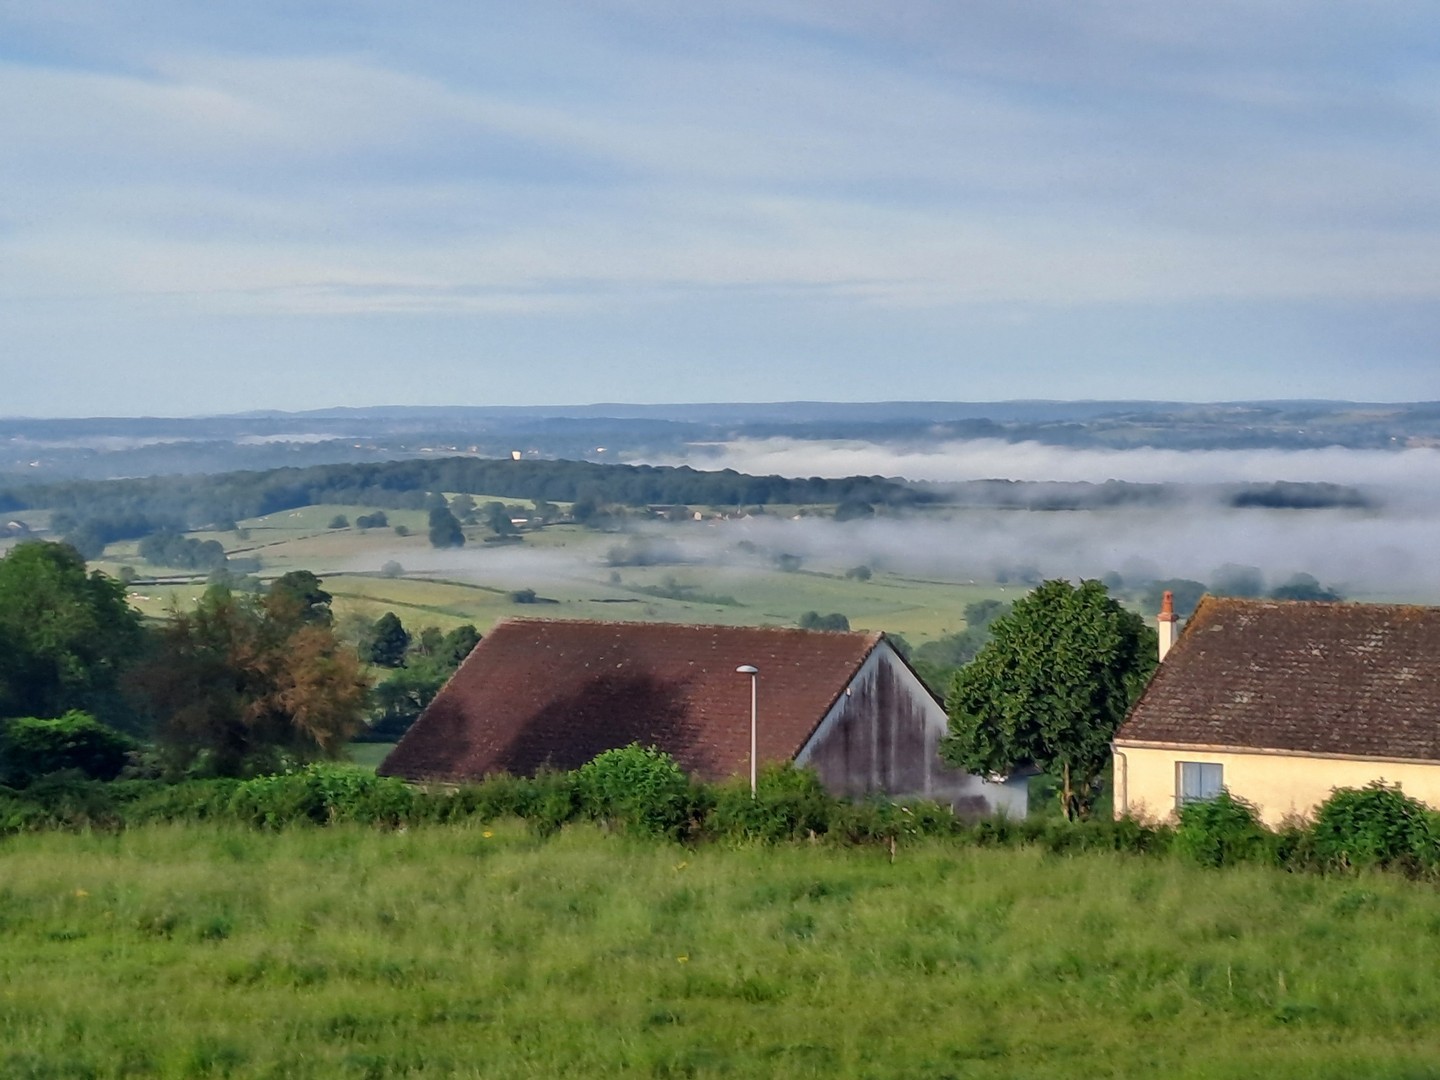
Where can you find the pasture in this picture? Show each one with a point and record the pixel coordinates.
(567, 566)
(195, 950)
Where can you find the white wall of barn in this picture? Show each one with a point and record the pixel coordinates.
(883, 735)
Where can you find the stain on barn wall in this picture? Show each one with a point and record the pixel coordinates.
(883, 736)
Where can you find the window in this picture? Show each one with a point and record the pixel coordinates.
(1199, 780)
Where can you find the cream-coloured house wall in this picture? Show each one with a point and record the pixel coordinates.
(1280, 785)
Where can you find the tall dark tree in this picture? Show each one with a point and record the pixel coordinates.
(297, 597)
(66, 635)
(1185, 592)
(459, 643)
(388, 640)
(1050, 688)
(240, 686)
(463, 507)
(1304, 587)
(402, 697)
(445, 531)
(498, 518)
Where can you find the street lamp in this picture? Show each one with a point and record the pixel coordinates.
(754, 673)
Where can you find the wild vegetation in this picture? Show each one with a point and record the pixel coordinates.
(1050, 689)
(217, 950)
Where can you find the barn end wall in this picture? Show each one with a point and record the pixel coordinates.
(882, 736)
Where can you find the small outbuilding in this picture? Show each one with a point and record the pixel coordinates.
(1280, 702)
(539, 693)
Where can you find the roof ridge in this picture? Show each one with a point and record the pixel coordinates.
(1275, 601)
(574, 621)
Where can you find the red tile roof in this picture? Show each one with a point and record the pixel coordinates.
(539, 692)
(1359, 680)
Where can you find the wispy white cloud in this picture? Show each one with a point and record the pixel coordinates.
(538, 162)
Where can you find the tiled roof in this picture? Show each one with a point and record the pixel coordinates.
(1357, 680)
(539, 692)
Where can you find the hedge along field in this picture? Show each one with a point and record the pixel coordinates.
(183, 950)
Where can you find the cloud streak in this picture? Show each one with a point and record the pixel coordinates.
(940, 193)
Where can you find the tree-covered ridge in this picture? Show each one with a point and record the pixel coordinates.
(227, 497)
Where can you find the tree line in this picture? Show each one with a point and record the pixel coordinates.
(129, 508)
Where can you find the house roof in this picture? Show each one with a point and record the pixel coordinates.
(1354, 680)
(539, 692)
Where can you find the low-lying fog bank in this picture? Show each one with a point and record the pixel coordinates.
(1416, 468)
(1385, 553)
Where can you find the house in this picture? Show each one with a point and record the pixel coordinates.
(539, 693)
(1279, 702)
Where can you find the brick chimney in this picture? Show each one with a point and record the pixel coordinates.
(1165, 623)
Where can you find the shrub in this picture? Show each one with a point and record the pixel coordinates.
(31, 747)
(1376, 826)
(639, 786)
(790, 803)
(1222, 831)
(321, 794)
(494, 797)
(553, 801)
(188, 800)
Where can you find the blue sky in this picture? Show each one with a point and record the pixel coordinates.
(216, 207)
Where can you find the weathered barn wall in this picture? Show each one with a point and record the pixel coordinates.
(883, 736)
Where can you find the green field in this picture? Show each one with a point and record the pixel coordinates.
(183, 951)
(464, 589)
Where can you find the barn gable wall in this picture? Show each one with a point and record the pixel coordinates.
(882, 736)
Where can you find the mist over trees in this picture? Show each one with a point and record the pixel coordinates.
(138, 506)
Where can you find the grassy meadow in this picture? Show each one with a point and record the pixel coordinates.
(571, 576)
(484, 951)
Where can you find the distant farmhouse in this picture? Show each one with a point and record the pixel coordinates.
(539, 693)
(1278, 702)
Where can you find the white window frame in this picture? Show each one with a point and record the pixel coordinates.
(1206, 780)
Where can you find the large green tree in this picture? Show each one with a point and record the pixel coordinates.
(445, 531)
(66, 636)
(1050, 688)
(387, 641)
(241, 686)
(296, 597)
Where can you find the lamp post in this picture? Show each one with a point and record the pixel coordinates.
(754, 673)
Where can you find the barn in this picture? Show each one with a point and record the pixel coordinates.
(538, 693)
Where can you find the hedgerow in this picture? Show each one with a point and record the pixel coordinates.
(643, 791)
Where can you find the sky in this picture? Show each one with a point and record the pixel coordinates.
(209, 208)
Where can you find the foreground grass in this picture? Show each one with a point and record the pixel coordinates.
(207, 950)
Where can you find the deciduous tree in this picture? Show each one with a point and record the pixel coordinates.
(66, 635)
(445, 531)
(388, 640)
(1050, 688)
(240, 686)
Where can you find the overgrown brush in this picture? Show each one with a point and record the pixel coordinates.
(1377, 826)
(642, 791)
(1223, 831)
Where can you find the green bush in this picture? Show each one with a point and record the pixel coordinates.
(639, 787)
(790, 803)
(1376, 826)
(1222, 831)
(70, 800)
(553, 800)
(31, 747)
(322, 794)
(188, 800)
